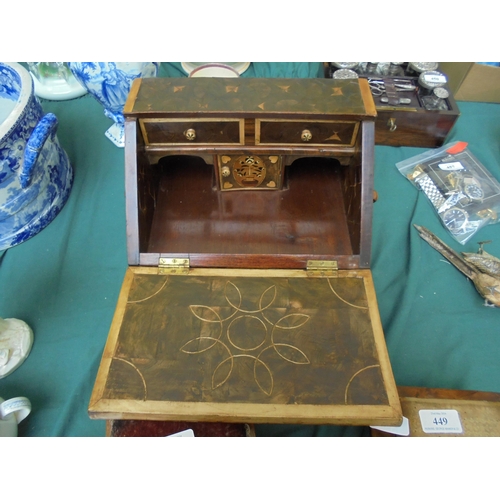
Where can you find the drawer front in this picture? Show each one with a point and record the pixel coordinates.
(306, 132)
(179, 131)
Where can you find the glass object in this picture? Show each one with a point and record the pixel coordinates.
(437, 100)
(54, 81)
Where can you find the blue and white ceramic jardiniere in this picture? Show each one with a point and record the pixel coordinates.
(35, 172)
(109, 83)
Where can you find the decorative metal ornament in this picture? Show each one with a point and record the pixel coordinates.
(249, 171)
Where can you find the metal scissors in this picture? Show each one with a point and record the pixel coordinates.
(378, 86)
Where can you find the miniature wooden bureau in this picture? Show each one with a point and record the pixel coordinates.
(249, 297)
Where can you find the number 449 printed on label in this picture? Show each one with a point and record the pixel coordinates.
(440, 421)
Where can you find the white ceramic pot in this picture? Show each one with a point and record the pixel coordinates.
(13, 412)
(35, 172)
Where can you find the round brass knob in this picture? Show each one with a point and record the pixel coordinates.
(225, 171)
(306, 135)
(190, 134)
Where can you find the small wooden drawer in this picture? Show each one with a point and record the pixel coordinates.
(305, 132)
(219, 131)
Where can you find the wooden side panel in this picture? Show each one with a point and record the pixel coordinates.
(256, 346)
(142, 181)
(131, 191)
(357, 186)
(368, 167)
(367, 96)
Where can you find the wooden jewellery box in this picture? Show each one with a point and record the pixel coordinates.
(249, 296)
(412, 124)
(403, 119)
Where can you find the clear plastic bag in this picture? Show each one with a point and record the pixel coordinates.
(465, 195)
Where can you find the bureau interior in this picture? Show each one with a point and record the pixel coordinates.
(315, 215)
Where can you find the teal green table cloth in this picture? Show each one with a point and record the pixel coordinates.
(65, 281)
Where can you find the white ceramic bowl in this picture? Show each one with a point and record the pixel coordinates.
(214, 70)
(239, 67)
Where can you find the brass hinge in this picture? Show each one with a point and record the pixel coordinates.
(176, 265)
(322, 268)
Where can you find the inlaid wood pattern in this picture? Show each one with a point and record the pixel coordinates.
(260, 340)
(249, 95)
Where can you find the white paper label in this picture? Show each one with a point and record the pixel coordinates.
(452, 165)
(402, 430)
(440, 421)
(435, 78)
